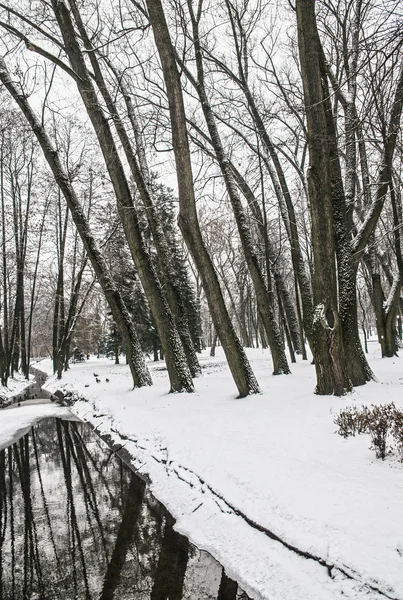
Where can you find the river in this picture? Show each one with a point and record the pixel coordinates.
(76, 523)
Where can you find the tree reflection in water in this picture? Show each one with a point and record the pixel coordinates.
(76, 523)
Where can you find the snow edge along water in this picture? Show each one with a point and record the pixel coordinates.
(277, 569)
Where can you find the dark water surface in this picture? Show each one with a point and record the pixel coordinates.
(77, 524)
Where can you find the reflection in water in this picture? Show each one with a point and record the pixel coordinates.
(78, 524)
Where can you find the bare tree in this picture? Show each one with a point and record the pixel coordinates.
(331, 372)
(136, 361)
(238, 363)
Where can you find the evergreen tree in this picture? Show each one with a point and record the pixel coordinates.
(111, 343)
(165, 208)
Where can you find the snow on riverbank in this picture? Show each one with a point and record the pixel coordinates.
(275, 459)
(17, 421)
(15, 386)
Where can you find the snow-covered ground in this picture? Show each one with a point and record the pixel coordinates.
(15, 386)
(238, 473)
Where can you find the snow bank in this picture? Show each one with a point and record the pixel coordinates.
(17, 421)
(226, 468)
(15, 385)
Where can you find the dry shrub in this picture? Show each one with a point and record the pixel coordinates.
(378, 421)
(352, 420)
(380, 424)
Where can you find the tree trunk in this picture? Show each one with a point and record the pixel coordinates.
(300, 323)
(386, 314)
(58, 314)
(155, 350)
(5, 346)
(116, 346)
(22, 328)
(269, 252)
(288, 213)
(34, 283)
(331, 372)
(285, 323)
(358, 369)
(213, 345)
(188, 221)
(290, 318)
(72, 317)
(3, 362)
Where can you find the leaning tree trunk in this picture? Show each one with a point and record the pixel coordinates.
(331, 373)
(119, 311)
(179, 374)
(165, 255)
(73, 315)
(139, 170)
(270, 257)
(188, 221)
(280, 364)
(283, 195)
(271, 159)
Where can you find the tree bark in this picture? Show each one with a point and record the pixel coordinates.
(188, 221)
(331, 373)
(358, 369)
